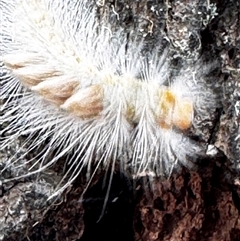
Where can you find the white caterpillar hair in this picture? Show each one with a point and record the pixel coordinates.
(70, 82)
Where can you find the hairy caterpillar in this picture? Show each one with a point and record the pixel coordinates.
(72, 81)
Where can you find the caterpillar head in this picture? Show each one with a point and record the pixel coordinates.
(174, 111)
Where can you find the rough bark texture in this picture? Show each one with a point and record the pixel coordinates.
(192, 205)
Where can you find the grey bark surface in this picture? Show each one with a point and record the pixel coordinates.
(201, 204)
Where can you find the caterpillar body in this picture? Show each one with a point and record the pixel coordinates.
(72, 82)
